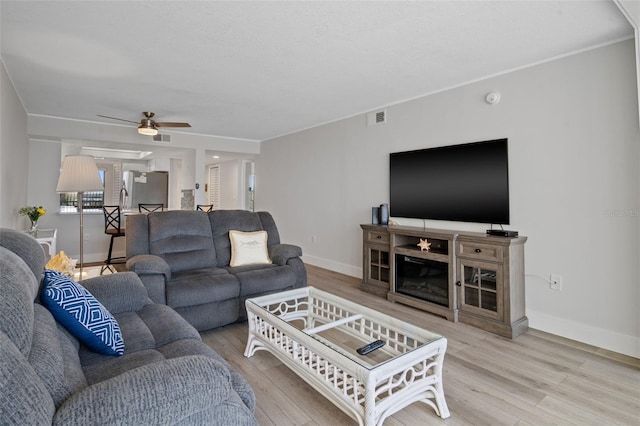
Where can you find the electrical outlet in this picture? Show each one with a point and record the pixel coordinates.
(555, 282)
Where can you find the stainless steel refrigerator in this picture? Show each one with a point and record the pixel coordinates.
(146, 188)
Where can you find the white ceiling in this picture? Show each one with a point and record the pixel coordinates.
(256, 70)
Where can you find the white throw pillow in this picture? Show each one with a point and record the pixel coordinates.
(248, 248)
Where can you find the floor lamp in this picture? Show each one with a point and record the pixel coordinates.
(79, 174)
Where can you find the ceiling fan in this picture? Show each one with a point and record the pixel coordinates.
(147, 125)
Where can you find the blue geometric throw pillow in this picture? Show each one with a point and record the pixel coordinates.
(81, 314)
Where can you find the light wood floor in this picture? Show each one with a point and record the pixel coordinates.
(536, 379)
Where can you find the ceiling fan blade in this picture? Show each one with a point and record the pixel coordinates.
(120, 119)
(170, 124)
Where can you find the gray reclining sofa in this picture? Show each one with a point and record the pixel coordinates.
(166, 375)
(183, 259)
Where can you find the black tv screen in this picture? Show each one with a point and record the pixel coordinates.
(465, 183)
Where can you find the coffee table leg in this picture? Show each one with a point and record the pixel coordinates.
(253, 343)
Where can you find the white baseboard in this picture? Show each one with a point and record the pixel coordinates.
(606, 339)
(332, 265)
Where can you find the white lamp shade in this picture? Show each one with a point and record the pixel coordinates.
(79, 174)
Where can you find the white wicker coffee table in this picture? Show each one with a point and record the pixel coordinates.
(316, 335)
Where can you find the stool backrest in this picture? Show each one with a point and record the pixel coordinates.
(204, 207)
(148, 208)
(111, 218)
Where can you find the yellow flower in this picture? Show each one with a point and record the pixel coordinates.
(33, 213)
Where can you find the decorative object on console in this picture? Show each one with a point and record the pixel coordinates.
(375, 215)
(384, 214)
(424, 244)
(248, 248)
(33, 213)
(63, 264)
(79, 174)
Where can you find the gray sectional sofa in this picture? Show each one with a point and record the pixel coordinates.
(166, 375)
(183, 258)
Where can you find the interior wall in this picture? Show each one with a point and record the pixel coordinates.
(229, 182)
(14, 155)
(574, 151)
(43, 179)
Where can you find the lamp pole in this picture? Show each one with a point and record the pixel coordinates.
(81, 208)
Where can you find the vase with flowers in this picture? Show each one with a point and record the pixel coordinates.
(33, 213)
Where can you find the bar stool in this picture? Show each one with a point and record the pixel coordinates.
(148, 208)
(204, 207)
(112, 227)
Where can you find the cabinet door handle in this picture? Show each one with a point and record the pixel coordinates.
(458, 283)
(478, 251)
(379, 237)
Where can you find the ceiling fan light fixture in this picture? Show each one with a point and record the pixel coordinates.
(147, 128)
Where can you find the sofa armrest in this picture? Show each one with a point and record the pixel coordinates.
(166, 392)
(149, 264)
(281, 253)
(122, 292)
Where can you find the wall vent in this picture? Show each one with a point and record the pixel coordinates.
(162, 138)
(377, 117)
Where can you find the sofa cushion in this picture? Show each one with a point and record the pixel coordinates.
(182, 238)
(259, 279)
(166, 325)
(24, 398)
(75, 308)
(269, 225)
(98, 368)
(201, 286)
(223, 221)
(168, 392)
(18, 289)
(150, 330)
(54, 357)
(248, 248)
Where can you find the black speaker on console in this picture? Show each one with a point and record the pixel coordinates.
(384, 214)
(375, 215)
(502, 233)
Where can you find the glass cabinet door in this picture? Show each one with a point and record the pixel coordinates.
(480, 289)
(379, 265)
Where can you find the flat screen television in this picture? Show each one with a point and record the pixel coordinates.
(465, 183)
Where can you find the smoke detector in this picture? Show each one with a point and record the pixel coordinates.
(492, 98)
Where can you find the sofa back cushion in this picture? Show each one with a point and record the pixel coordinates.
(40, 362)
(54, 357)
(25, 399)
(269, 225)
(182, 238)
(223, 221)
(18, 287)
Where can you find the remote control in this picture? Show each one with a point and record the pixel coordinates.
(370, 347)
